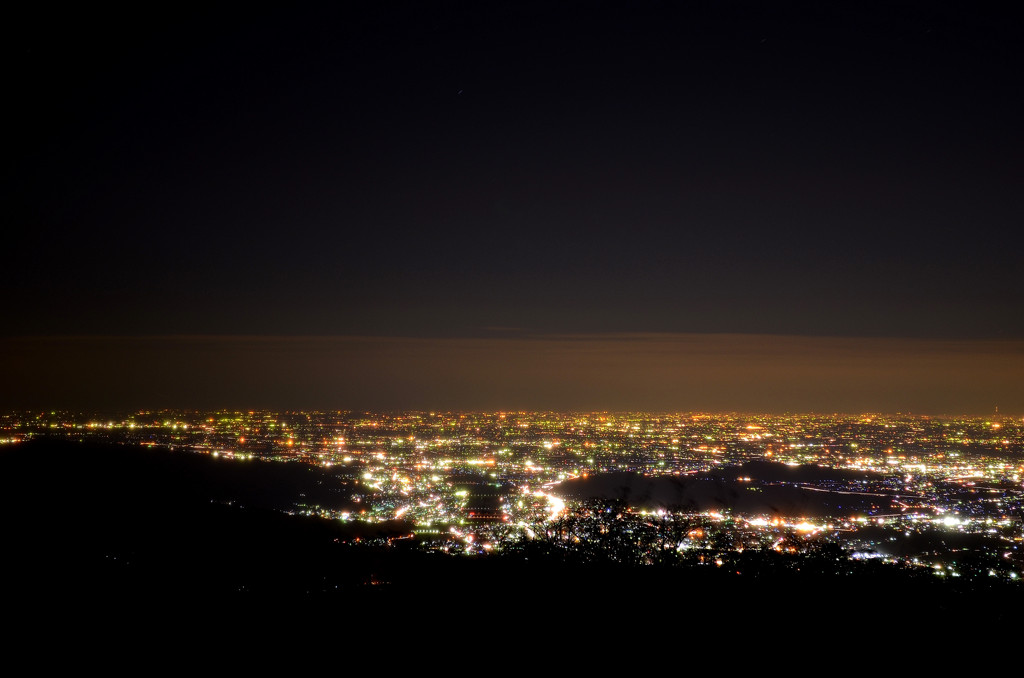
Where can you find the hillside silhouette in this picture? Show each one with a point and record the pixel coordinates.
(765, 489)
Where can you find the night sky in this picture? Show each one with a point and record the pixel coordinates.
(573, 205)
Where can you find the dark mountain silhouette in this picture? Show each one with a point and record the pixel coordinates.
(131, 541)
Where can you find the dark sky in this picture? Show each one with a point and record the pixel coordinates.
(459, 182)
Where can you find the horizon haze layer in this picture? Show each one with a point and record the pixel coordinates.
(608, 372)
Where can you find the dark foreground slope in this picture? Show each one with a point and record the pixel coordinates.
(84, 520)
(135, 537)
